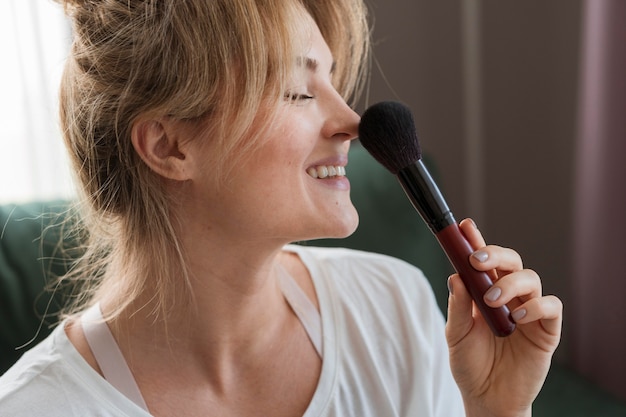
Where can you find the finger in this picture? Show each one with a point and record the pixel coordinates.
(496, 257)
(460, 311)
(524, 284)
(476, 241)
(547, 309)
(472, 234)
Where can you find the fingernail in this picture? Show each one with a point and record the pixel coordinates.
(519, 314)
(474, 223)
(493, 294)
(450, 285)
(481, 255)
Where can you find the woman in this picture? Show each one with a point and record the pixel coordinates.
(206, 136)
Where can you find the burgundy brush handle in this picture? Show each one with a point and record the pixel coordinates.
(458, 250)
(429, 202)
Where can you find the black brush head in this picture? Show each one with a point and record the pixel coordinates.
(387, 131)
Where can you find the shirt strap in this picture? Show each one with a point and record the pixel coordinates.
(108, 355)
(306, 312)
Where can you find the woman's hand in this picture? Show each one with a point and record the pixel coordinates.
(501, 376)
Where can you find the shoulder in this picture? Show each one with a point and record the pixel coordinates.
(32, 385)
(383, 323)
(374, 288)
(365, 272)
(353, 259)
(52, 380)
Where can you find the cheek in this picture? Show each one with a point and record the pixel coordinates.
(286, 147)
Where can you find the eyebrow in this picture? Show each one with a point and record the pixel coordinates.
(312, 64)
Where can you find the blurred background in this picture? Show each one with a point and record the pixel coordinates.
(520, 105)
(34, 40)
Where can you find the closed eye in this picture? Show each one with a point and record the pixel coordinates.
(293, 97)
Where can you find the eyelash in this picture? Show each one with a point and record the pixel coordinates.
(297, 96)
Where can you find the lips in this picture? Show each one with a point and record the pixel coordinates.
(326, 171)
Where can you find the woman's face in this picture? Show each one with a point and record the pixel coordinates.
(292, 187)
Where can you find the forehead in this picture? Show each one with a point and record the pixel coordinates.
(318, 55)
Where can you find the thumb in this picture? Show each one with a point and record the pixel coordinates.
(460, 306)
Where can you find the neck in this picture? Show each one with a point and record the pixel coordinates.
(227, 335)
(234, 296)
(235, 309)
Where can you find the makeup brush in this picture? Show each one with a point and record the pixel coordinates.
(387, 131)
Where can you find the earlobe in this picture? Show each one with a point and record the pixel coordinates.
(159, 147)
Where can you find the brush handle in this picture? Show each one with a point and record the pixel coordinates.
(458, 250)
(425, 196)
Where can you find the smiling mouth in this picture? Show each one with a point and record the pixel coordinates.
(326, 171)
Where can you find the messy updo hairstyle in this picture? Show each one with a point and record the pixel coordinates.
(206, 63)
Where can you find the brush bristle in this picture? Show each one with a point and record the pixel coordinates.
(387, 131)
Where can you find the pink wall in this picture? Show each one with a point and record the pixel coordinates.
(599, 290)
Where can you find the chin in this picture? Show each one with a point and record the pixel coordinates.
(343, 227)
(348, 231)
(337, 224)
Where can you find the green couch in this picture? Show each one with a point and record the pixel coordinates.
(30, 256)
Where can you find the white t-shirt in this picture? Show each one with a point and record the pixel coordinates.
(384, 351)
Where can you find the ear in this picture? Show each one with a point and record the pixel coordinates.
(159, 147)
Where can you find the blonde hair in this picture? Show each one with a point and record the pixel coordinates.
(208, 64)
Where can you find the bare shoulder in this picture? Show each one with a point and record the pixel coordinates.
(297, 269)
(76, 336)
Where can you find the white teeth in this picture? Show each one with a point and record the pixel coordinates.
(325, 171)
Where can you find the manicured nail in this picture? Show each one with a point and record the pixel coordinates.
(493, 294)
(519, 314)
(481, 255)
(450, 285)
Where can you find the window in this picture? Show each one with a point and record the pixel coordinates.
(34, 40)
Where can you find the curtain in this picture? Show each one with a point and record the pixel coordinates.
(599, 268)
(34, 40)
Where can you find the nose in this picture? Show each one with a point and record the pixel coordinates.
(341, 122)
